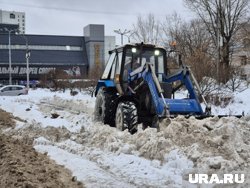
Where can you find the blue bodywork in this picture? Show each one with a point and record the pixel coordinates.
(104, 83)
(190, 106)
(176, 106)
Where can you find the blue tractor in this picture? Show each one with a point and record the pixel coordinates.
(136, 87)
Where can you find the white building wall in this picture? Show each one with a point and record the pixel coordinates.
(109, 42)
(13, 17)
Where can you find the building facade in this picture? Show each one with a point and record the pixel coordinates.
(109, 44)
(13, 18)
(75, 55)
(94, 40)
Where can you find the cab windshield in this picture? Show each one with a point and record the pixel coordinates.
(136, 57)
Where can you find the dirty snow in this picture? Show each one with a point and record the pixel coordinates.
(102, 156)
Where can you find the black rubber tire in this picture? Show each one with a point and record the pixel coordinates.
(104, 108)
(126, 117)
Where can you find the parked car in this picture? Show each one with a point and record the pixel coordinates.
(13, 90)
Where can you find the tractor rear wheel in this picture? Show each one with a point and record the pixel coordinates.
(126, 117)
(104, 108)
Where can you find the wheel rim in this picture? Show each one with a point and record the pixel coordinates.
(119, 120)
(99, 109)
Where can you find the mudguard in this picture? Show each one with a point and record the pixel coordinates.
(104, 83)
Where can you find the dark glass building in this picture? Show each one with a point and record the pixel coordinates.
(72, 54)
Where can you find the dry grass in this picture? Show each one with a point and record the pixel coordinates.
(6, 119)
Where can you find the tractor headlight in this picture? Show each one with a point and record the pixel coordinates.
(157, 52)
(133, 50)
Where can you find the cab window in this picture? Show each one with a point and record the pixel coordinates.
(107, 70)
(135, 58)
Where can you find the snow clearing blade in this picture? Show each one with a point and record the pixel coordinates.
(207, 116)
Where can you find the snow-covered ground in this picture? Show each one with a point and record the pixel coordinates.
(239, 104)
(102, 156)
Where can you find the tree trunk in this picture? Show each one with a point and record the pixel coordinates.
(224, 71)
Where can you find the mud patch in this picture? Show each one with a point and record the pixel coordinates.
(22, 166)
(6, 120)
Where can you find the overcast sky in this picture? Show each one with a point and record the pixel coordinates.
(68, 17)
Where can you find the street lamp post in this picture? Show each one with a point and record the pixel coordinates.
(10, 71)
(10, 67)
(27, 68)
(27, 55)
(122, 33)
(128, 36)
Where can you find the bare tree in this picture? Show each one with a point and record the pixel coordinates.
(147, 30)
(245, 37)
(193, 42)
(172, 30)
(222, 19)
(198, 49)
(235, 83)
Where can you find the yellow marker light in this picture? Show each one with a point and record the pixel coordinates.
(117, 78)
(173, 44)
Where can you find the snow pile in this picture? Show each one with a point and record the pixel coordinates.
(214, 145)
(119, 167)
(231, 103)
(97, 154)
(76, 106)
(239, 104)
(100, 155)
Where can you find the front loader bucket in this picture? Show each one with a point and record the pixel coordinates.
(184, 107)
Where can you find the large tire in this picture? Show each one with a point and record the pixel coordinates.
(126, 117)
(104, 107)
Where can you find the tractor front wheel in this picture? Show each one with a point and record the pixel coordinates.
(126, 117)
(104, 108)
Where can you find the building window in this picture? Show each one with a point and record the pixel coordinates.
(12, 16)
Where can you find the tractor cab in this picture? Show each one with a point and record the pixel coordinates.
(129, 60)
